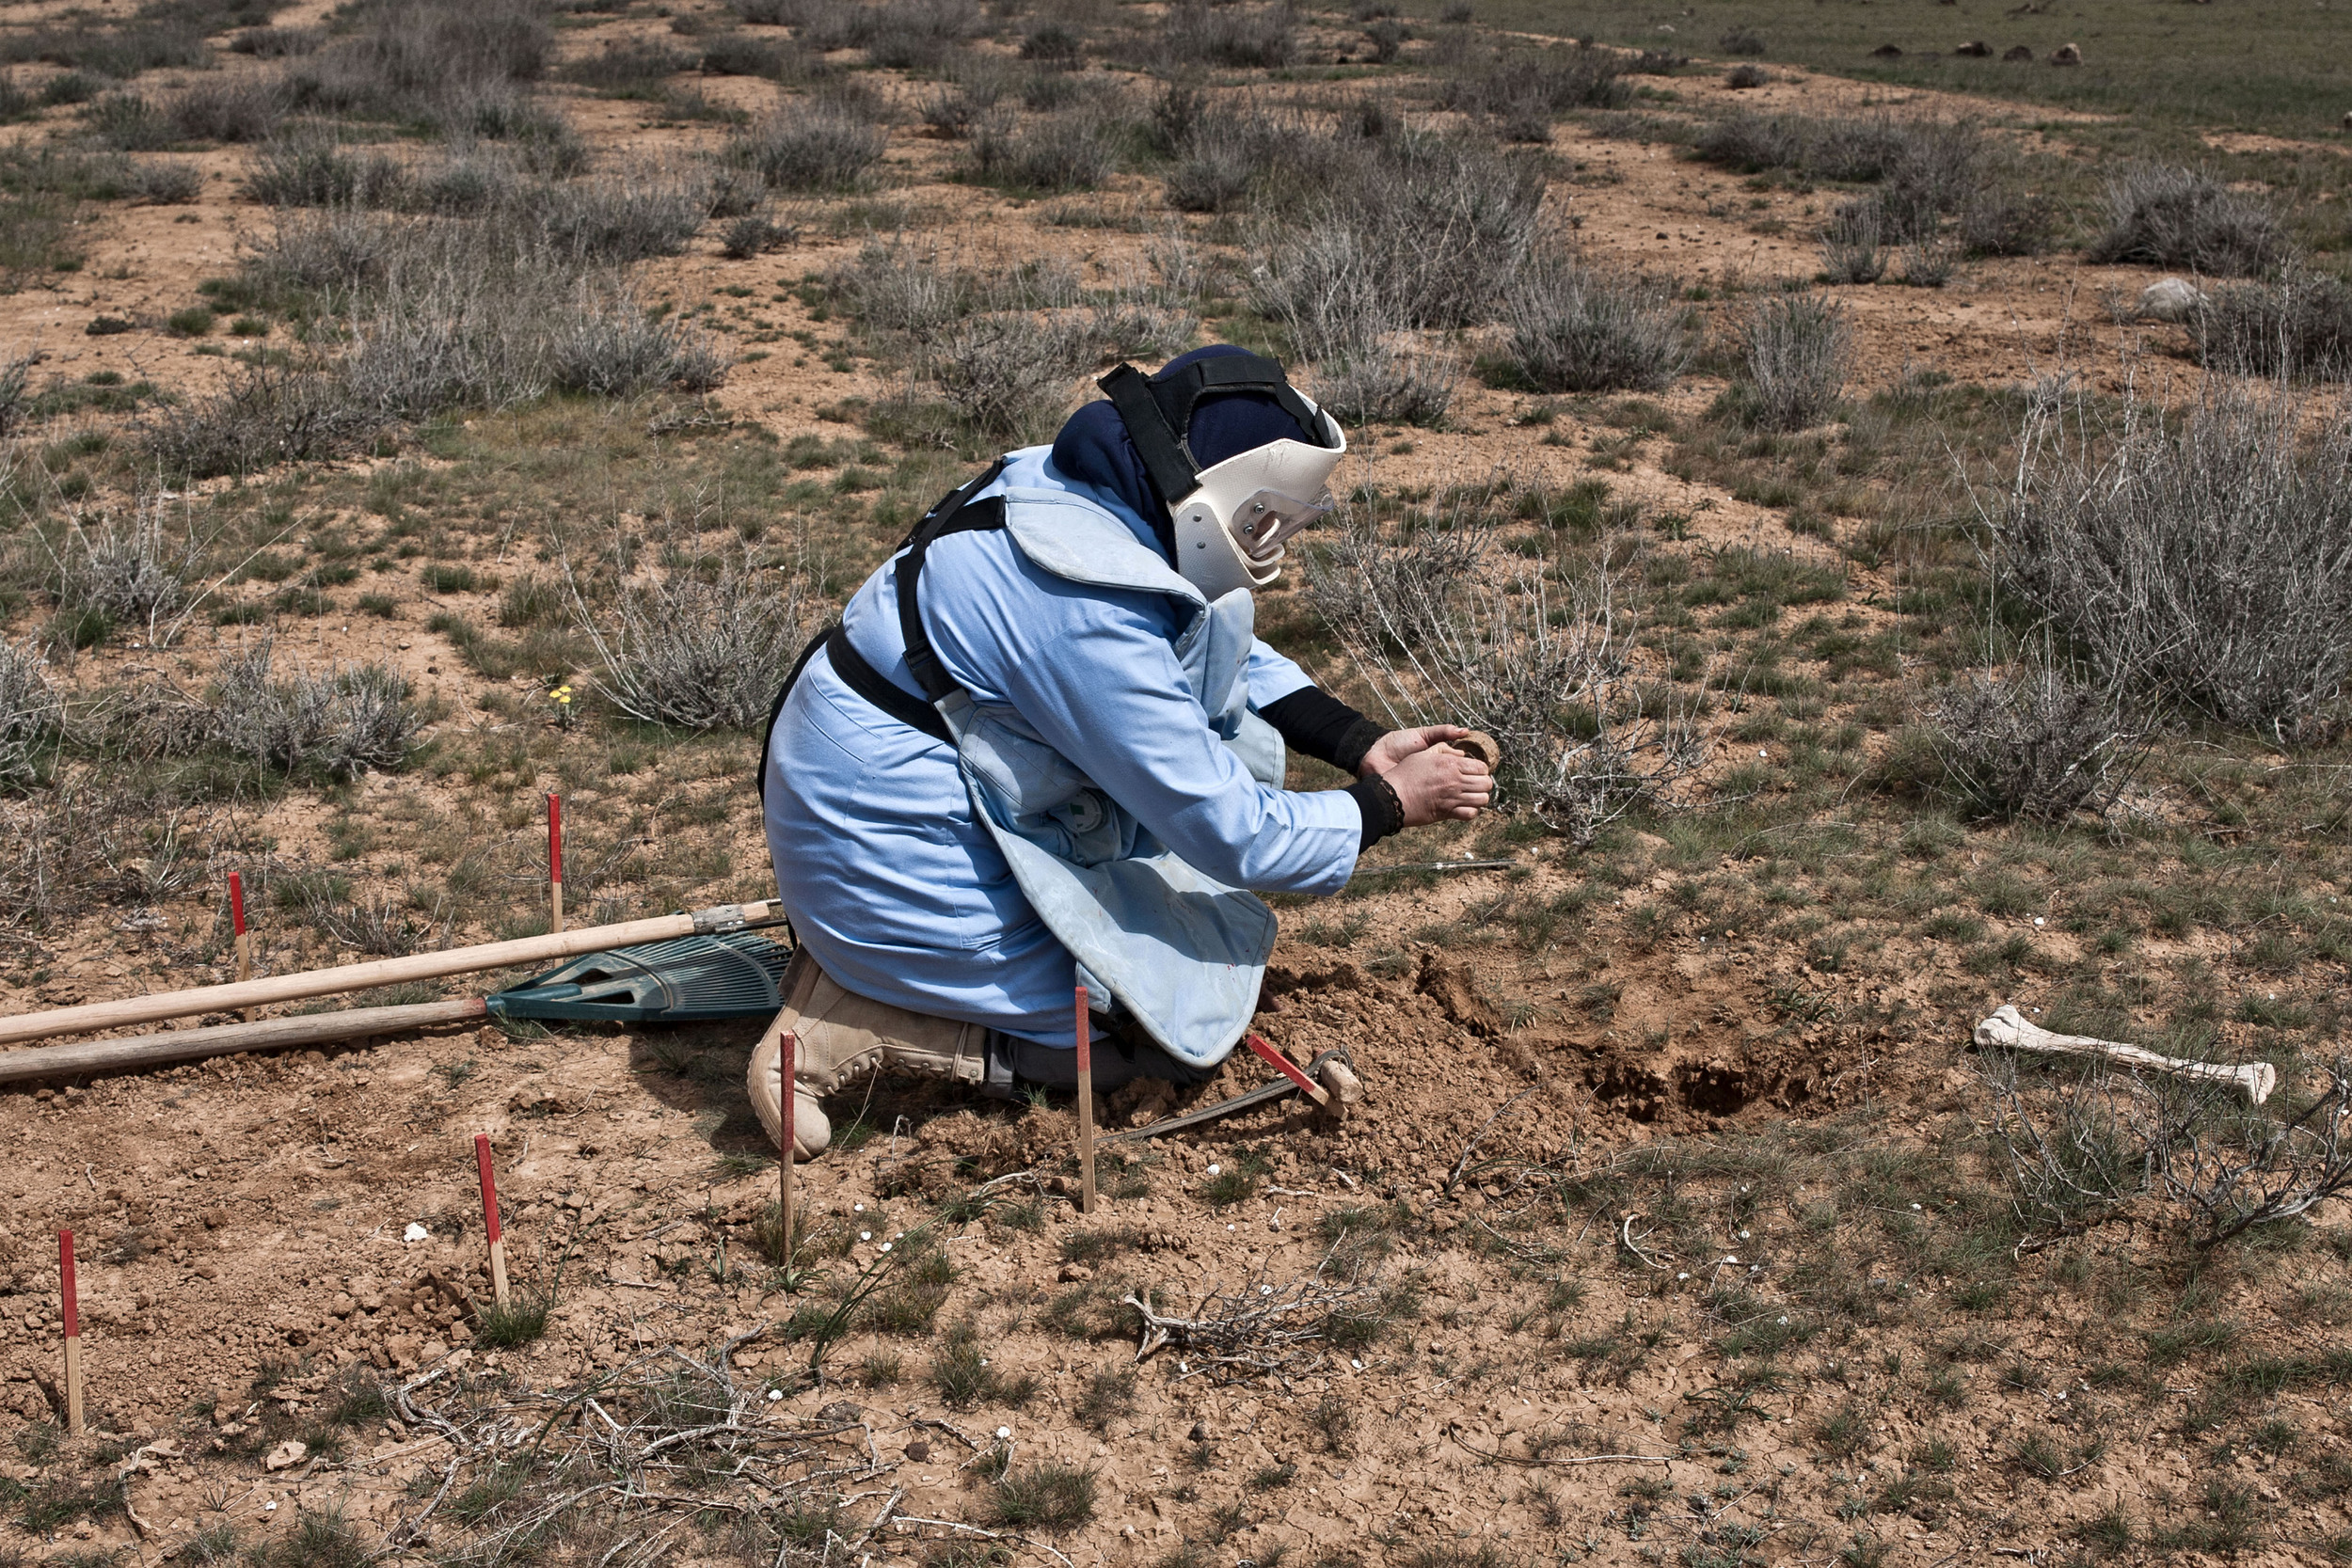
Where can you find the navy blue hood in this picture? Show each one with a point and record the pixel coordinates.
(1093, 447)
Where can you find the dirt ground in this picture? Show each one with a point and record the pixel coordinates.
(1598, 1314)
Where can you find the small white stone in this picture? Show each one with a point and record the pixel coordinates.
(414, 1233)
(1356, 1364)
(774, 1394)
(885, 1246)
(1214, 1169)
(1003, 1432)
(865, 1235)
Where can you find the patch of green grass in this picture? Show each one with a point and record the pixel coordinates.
(965, 1376)
(1046, 1496)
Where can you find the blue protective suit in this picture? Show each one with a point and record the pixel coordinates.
(895, 885)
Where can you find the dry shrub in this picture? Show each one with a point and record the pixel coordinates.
(2200, 558)
(1445, 632)
(2300, 327)
(440, 313)
(16, 385)
(806, 147)
(340, 723)
(129, 124)
(1421, 233)
(84, 840)
(1073, 151)
(701, 648)
(1378, 377)
(2033, 742)
(1573, 329)
(2163, 217)
(416, 59)
(917, 35)
(1797, 355)
(609, 345)
(31, 716)
(1521, 95)
(158, 182)
(628, 214)
(2080, 1147)
(1927, 164)
(1242, 36)
(229, 109)
(2001, 218)
(1853, 243)
(313, 169)
(1009, 374)
(893, 288)
(277, 43)
(263, 415)
(130, 570)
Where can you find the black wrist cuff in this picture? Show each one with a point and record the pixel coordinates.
(1315, 724)
(1384, 814)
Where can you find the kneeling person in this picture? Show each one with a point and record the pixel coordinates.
(1045, 748)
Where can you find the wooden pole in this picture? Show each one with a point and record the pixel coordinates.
(382, 971)
(245, 937)
(236, 917)
(70, 1312)
(1282, 1063)
(790, 1048)
(490, 1219)
(555, 860)
(87, 1058)
(1085, 1107)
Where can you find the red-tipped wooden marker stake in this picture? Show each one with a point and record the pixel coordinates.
(1282, 1063)
(555, 860)
(245, 937)
(490, 1218)
(236, 919)
(1085, 1107)
(783, 1174)
(71, 1311)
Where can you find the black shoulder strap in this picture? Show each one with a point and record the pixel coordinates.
(1165, 461)
(953, 515)
(958, 513)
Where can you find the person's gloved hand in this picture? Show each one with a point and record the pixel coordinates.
(1437, 783)
(1391, 748)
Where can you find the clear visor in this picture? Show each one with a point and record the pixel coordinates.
(1264, 520)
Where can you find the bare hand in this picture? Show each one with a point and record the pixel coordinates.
(1395, 746)
(1437, 783)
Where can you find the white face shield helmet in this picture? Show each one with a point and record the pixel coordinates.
(1232, 517)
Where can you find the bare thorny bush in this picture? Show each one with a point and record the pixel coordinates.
(639, 1453)
(2079, 1149)
(1538, 656)
(2201, 559)
(2033, 741)
(339, 722)
(705, 642)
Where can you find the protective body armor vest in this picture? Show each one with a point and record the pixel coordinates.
(1183, 954)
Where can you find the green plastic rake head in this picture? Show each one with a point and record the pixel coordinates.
(738, 975)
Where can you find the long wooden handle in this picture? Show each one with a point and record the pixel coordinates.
(383, 972)
(85, 1057)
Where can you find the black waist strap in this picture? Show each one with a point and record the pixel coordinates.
(879, 690)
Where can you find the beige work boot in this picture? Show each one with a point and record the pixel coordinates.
(838, 1035)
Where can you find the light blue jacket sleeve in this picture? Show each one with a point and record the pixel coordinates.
(1272, 677)
(1094, 674)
